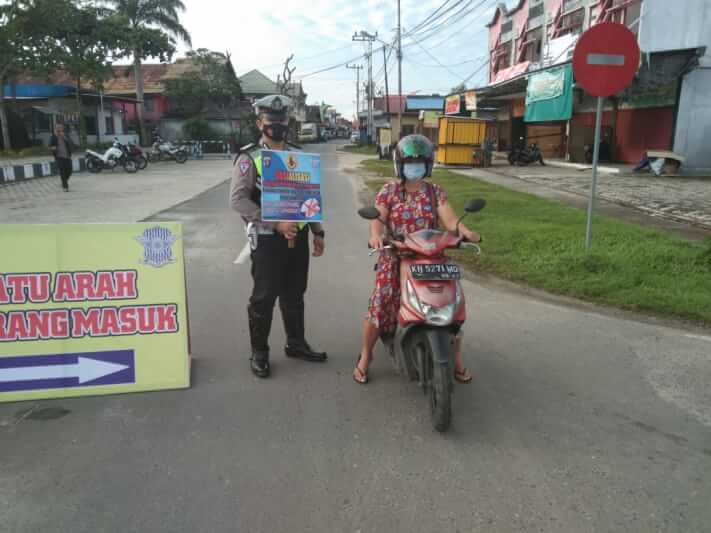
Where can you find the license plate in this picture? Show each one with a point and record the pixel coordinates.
(435, 272)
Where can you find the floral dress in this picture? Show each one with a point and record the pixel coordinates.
(407, 213)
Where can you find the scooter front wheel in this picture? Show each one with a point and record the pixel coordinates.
(438, 376)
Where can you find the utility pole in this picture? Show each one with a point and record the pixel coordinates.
(387, 92)
(399, 74)
(357, 68)
(364, 36)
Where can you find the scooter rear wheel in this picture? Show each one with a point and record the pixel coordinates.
(130, 166)
(92, 165)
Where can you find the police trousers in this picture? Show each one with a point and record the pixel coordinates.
(278, 272)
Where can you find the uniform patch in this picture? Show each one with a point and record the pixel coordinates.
(244, 166)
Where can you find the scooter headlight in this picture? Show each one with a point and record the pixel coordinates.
(441, 316)
(413, 300)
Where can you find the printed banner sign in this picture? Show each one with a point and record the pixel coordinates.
(92, 309)
(545, 85)
(550, 95)
(291, 187)
(452, 104)
(430, 119)
(470, 100)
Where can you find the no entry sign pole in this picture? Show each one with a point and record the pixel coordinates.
(593, 187)
(605, 61)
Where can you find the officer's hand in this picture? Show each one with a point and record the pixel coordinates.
(287, 229)
(319, 246)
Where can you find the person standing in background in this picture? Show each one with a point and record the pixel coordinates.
(62, 151)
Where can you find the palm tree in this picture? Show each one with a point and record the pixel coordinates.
(153, 28)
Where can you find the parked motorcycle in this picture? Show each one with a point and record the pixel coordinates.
(432, 310)
(137, 153)
(165, 150)
(116, 155)
(523, 155)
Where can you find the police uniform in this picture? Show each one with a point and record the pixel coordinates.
(278, 271)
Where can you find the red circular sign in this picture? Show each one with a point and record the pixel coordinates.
(606, 59)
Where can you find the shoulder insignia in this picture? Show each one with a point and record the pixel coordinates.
(244, 164)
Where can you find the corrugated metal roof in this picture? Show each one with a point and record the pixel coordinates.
(254, 82)
(430, 103)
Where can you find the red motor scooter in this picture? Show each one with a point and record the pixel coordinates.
(432, 310)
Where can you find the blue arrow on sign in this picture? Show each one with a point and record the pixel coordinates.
(90, 369)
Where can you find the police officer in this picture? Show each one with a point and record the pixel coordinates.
(278, 270)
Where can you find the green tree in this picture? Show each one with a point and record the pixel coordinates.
(459, 89)
(28, 44)
(89, 37)
(152, 30)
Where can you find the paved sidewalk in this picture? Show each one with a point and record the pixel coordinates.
(681, 205)
(109, 196)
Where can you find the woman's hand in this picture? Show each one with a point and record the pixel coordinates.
(469, 235)
(375, 242)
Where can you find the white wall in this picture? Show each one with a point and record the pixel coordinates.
(693, 129)
(669, 25)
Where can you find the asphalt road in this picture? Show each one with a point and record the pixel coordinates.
(577, 420)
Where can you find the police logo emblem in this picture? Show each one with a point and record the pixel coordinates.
(157, 246)
(267, 160)
(291, 162)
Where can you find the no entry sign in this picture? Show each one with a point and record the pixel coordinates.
(606, 59)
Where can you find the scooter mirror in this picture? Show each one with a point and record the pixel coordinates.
(369, 213)
(472, 206)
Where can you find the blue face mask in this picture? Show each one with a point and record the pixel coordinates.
(414, 171)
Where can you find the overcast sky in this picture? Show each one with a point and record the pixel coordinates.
(262, 34)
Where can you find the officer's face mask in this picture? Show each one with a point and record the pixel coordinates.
(414, 171)
(276, 131)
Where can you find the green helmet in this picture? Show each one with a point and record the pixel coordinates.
(413, 148)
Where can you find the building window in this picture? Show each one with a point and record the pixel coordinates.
(90, 122)
(572, 23)
(536, 15)
(408, 130)
(506, 31)
(502, 57)
(570, 5)
(42, 122)
(532, 45)
(109, 120)
(149, 104)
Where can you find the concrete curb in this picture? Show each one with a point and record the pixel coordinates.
(27, 171)
(579, 166)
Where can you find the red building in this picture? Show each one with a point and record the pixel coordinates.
(535, 39)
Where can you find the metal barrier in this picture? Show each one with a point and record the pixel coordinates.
(199, 149)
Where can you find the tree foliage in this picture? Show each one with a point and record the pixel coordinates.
(29, 43)
(211, 84)
(458, 89)
(89, 37)
(152, 29)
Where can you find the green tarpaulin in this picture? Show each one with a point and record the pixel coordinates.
(549, 95)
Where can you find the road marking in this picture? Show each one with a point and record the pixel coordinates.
(698, 337)
(615, 60)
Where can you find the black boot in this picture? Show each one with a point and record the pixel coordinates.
(296, 345)
(259, 326)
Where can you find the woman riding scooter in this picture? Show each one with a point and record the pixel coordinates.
(407, 205)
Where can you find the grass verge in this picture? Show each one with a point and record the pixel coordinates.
(540, 243)
(362, 149)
